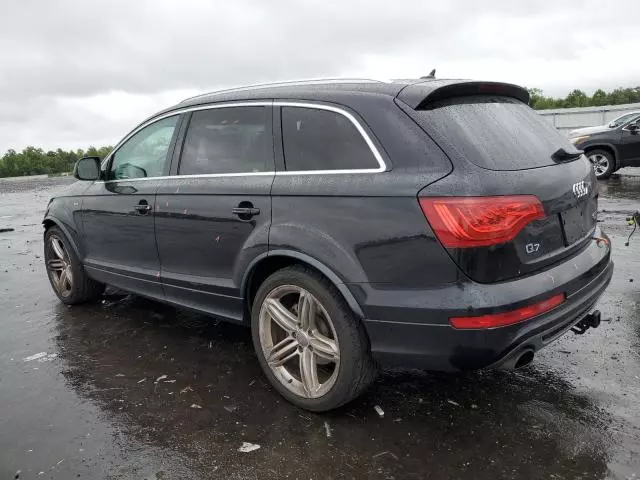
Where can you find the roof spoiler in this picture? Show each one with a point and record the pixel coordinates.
(422, 94)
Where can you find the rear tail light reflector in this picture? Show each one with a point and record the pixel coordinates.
(494, 320)
(464, 222)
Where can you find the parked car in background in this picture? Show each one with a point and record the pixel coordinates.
(615, 123)
(439, 224)
(612, 146)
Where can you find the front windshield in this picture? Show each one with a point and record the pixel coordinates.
(616, 122)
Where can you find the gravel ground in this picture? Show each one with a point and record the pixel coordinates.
(83, 394)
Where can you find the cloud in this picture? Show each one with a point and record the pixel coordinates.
(75, 73)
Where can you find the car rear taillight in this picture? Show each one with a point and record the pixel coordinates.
(463, 222)
(507, 318)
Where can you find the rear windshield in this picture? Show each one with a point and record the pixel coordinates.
(494, 132)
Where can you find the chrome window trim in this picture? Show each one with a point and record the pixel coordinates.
(171, 114)
(187, 177)
(376, 154)
(382, 166)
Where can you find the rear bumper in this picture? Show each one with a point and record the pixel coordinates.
(412, 328)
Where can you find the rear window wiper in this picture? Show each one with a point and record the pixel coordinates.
(561, 155)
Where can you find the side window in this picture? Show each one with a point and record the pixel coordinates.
(145, 153)
(227, 140)
(317, 139)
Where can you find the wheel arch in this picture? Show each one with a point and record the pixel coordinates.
(51, 221)
(266, 264)
(607, 147)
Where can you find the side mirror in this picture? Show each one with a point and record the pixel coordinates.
(87, 168)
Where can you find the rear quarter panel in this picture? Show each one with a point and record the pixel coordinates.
(367, 228)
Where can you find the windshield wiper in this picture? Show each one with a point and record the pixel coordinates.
(561, 155)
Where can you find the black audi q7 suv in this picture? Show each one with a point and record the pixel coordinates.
(439, 224)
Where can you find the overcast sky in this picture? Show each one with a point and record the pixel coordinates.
(75, 73)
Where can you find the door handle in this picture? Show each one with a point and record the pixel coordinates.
(245, 210)
(142, 207)
(248, 211)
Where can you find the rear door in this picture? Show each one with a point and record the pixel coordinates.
(213, 214)
(118, 213)
(501, 148)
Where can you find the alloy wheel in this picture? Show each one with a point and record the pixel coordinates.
(299, 341)
(600, 164)
(59, 266)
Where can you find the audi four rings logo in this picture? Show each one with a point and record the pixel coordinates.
(580, 189)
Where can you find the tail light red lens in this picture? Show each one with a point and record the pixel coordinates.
(507, 318)
(464, 222)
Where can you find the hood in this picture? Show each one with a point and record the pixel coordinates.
(589, 130)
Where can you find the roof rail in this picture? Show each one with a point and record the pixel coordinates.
(311, 81)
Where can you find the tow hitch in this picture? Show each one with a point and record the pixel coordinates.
(590, 321)
(632, 220)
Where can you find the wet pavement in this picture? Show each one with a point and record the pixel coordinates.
(83, 392)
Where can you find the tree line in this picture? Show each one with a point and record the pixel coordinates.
(577, 98)
(35, 161)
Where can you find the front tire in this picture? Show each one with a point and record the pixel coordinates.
(603, 163)
(309, 343)
(66, 274)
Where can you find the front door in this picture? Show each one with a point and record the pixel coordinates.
(118, 212)
(213, 215)
(629, 148)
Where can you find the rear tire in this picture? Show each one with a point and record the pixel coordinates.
(291, 342)
(66, 274)
(603, 163)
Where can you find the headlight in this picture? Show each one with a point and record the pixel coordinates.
(576, 140)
